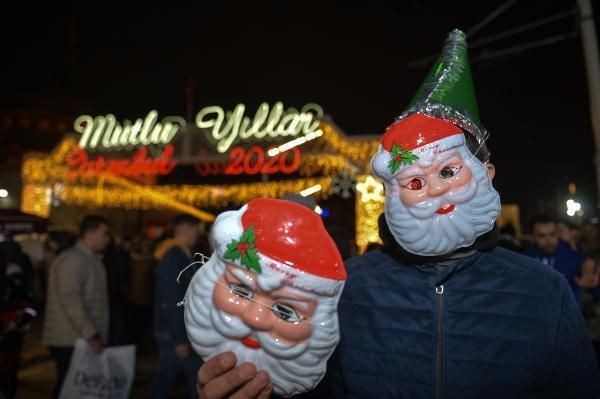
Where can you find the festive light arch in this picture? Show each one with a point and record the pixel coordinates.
(45, 180)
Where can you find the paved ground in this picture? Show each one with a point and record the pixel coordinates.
(37, 373)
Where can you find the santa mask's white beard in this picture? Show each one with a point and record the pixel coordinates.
(292, 368)
(419, 230)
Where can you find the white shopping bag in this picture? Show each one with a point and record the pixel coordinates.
(105, 376)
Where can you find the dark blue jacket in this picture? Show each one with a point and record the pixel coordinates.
(168, 322)
(564, 260)
(493, 325)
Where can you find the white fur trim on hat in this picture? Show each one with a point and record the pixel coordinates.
(228, 226)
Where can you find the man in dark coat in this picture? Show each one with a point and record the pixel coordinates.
(175, 353)
(553, 252)
(440, 311)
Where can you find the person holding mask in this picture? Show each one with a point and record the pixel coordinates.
(441, 311)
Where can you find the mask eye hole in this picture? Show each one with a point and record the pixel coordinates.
(415, 184)
(449, 171)
(286, 312)
(241, 291)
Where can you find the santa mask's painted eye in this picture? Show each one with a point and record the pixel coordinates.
(449, 171)
(286, 312)
(415, 184)
(241, 291)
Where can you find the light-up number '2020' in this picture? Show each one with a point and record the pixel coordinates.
(251, 162)
(254, 161)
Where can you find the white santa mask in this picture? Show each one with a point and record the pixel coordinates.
(269, 311)
(439, 196)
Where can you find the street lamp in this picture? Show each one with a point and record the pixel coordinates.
(573, 207)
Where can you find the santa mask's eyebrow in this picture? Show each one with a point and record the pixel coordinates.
(301, 303)
(411, 171)
(245, 278)
(447, 155)
(288, 294)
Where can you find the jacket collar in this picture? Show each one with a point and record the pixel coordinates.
(167, 244)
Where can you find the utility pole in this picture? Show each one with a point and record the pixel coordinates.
(592, 66)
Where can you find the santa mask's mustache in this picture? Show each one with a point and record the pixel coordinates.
(229, 325)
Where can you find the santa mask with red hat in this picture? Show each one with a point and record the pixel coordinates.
(434, 163)
(269, 293)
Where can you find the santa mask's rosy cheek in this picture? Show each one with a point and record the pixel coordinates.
(461, 179)
(412, 197)
(290, 333)
(226, 300)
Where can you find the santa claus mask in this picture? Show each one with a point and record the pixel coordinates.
(269, 293)
(439, 195)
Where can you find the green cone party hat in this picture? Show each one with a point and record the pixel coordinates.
(447, 92)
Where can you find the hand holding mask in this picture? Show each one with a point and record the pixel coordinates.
(269, 293)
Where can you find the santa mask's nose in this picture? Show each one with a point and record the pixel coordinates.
(437, 186)
(258, 317)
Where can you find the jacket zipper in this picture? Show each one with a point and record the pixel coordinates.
(439, 343)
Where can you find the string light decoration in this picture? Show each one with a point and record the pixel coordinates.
(196, 196)
(368, 208)
(35, 201)
(370, 189)
(45, 180)
(107, 190)
(41, 169)
(359, 149)
(38, 172)
(325, 164)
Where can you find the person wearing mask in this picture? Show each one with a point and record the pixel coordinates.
(175, 353)
(77, 300)
(441, 311)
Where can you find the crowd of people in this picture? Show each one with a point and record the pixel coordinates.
(573, 251)
(113, 292)
(448, 305)
(441, 310)
(105, 290)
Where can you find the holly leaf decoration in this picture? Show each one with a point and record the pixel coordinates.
(244, 250)
(232, 252)
(400, 157)
(251, 261)
(248, 235)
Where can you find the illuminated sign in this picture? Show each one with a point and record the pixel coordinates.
(105, 133)
(136, 166)
(224, 129)
(228, 128)
(252, 162)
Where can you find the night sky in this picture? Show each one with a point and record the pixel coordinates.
(354, 60)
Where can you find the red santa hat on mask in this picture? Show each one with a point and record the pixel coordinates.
(269, 236)
(412, 138)
(442, 111)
